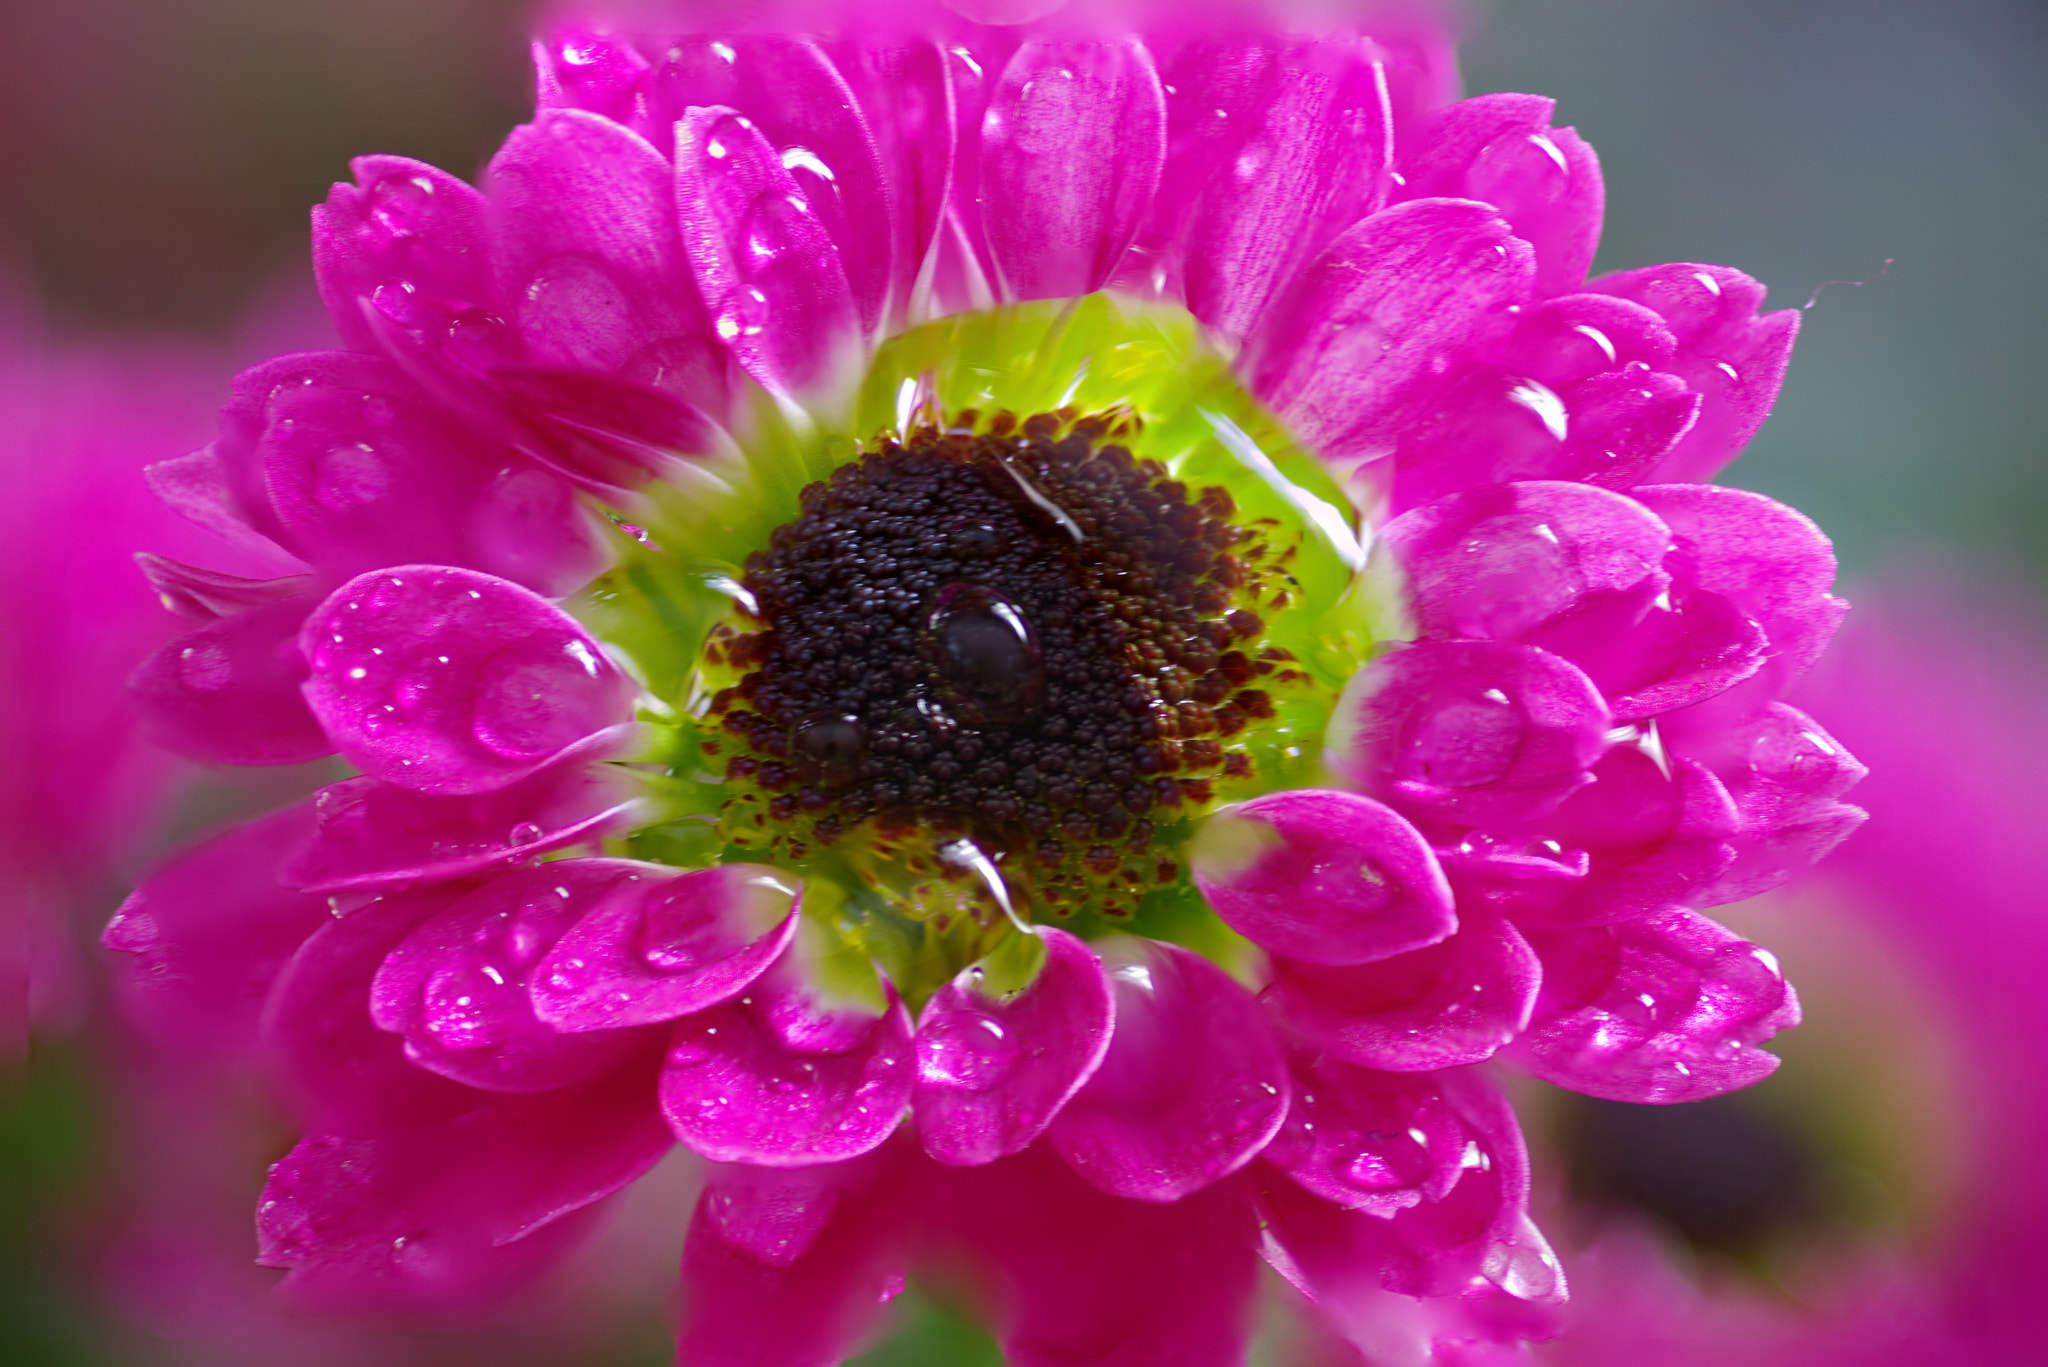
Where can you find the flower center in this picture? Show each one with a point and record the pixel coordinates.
(1014, 634)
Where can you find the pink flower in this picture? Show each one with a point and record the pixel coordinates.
(1909, 1125)
(1028, 451)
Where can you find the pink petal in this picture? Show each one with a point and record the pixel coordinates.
(1686, 646)
(343, 1074)
(791, 1267)
(1371, 1141)
(601, 432)
(742, 1086)
(435, 1213)
(447, 681)
(204, 595)
(798, 98)
(1453, 1003)
(407, 242)
(1766, 558)
(993, 1071)
(1478, 732)
(1497, 563)
(1727, 353)
(1501, 150)
(1071, 148)
(769, 272)
(579, 68)
(1663, 1009)
(1361, 338)
(1327, 876)
(456, 987)
(584, 228)
(372, 835)
(1193, 1086)
(666, 947)
(228, 692)
(906, 92)
(1076, 1276)
(1313, 146)
(200, 488)
(206, 934)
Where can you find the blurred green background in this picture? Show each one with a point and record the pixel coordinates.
(158, 160)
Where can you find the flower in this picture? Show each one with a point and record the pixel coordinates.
(1147, 620)
(1871, 1240)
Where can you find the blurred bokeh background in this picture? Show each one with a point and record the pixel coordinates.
(156, 165)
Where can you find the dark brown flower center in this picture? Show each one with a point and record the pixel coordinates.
(1012, 633)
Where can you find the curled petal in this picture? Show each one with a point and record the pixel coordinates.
(1479, 732)
(206, 934)
(456, 987)
(666, 946)
(585, 242)
(1071, 148)
(1770, 561)
(770, 274)
(1326, 876)
(200, 488)
(1363, 335)
(1545, 182)
(371, 835)
(1452, 1003)
(205, 595)
(447, 681)
(1367, 1140)
(343, 1074)
(742, 1086)
(228, 692)
(1732, 357)
(993, 1070)
(445, 1210)
(580, 68)
(1498, 563)
(1663, 1009)
(1193, 1086)
(407, 242)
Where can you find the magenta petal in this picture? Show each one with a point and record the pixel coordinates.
(737, 1089)
(1479, 732)
(1327, 876)
(1664, 1009)
(583, 214)
(228, 692)
(206, 934)
(1312, 161)
(770, 274)
(1766, 558)
(448, 681)
(420, 1216)
(408, 242)
(344, 1075)
(199, 488)
(203, 594)
(1071, 148)
(992, 1071)
(666, 947)
(1372, 1141)
(1193, 1085)
(456, 987)
(1545, 182)
(373, 835)
(1498, 562)
(1076, 1276)
(1734, 358)
(601, 432)
(578, 68)
(791, 1267)
(1367, 330)
(906, 93)
(804, 106)
(1453, 1003)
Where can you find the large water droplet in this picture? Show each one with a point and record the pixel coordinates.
(965, 1051)
(834, 744)
(1460, 737)
(985, 654)
(457, 1007)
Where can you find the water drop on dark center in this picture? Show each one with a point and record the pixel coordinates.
(984, 653)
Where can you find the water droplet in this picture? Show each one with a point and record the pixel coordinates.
(834, 743)
(986, 654)
(525, 833)
(965, 1051)
(459, 1007)
(204, 668)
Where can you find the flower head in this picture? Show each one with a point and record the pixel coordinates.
(1120, 616)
